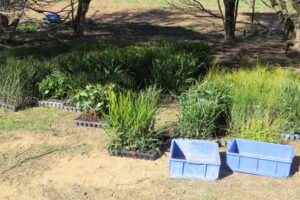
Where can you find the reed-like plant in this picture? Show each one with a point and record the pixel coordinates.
(18, 80)
(200, 108)
(131, 119)
(265, 101)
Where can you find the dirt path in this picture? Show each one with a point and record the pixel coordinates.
(77, 166)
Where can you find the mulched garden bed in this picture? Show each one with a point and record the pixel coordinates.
(89, 120)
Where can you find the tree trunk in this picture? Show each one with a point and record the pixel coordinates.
(296, 6)
(230, 7)
(3, 23)
(83, 6)
(297, 39)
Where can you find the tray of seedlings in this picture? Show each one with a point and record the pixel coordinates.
(88, 120)
(131, 131)
(92, 101)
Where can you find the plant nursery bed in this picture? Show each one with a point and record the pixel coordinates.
(146, 155)
(52, 103)
(15, 108)
(194, 159)
(88, 120)
(260, 158)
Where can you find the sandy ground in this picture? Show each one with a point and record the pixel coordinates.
(69, 162)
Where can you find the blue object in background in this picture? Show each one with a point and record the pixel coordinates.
(194, 159)
(53, 16)
(260, 158)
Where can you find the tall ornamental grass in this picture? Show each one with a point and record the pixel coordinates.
(18, 80)
(265, 101)
(201, 107)
(131, 119)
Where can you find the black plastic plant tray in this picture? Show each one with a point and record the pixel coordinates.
(167, 98)
(149, 155)
(15, 108)
(82, 121)
(72, 109)
(87, 123)
(52, 103)
(289, 136)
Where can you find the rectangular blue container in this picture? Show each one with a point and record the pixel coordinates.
(260, 158)
(194, 159)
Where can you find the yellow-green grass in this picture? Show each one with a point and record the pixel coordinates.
(34, 119)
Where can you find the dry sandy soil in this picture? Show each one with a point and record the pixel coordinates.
(68, 162)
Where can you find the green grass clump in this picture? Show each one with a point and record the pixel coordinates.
(265, 101)
(18, 80)
(201, 108)
(131, 119)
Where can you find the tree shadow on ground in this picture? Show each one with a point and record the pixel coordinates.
(295, 166)
(224, 170)
(143, 26)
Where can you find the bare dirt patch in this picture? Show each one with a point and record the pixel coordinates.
(79, 167)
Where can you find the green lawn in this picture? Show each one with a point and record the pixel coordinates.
(37, 119)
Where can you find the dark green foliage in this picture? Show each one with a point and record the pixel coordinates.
(174, 72)
(56, 85)
(137, 66)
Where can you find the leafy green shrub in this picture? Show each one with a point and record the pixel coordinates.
(131, 117)
(19, 78)
(93, 98)
(200, 108)
(56, 85)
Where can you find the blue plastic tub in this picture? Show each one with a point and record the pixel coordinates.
(52, 16)
(194, 159)
(260, 158)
